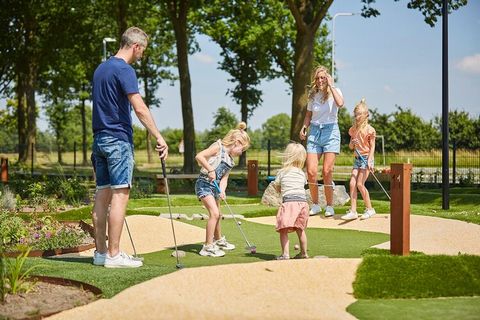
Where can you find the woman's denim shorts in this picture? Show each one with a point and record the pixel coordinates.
(112, 161)
(323, 138)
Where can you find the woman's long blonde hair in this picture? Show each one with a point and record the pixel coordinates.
(238, 134)
(293, 156)
(360, 107)
(314, 88)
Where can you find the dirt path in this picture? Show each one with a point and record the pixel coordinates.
(315, 288)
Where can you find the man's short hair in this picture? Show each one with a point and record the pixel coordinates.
(133, 35)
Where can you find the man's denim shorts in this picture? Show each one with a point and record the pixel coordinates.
(112, 161)
(204, 188)
(361, 164)
(323, 138)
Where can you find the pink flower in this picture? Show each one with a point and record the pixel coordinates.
(48, 235)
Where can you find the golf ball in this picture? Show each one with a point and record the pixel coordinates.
(296, 247)
(239, 222)
(253, 251)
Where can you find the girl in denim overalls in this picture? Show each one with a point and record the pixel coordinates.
(324, 100)
(216, 162)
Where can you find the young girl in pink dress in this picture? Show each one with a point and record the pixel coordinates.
(293, 213)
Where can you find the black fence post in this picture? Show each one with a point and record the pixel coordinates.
(74, 156)
(268, 152)
(454, 165)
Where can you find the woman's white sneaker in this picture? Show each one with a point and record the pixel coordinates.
(329, 212)
(315, 209)
(122, 260)
(211, 250)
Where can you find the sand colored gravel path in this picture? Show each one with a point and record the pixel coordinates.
(430, 235)
(294, 289)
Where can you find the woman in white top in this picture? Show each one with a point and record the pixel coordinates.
(324, 100)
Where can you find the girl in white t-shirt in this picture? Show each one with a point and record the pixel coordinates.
(293, 213)
(324, 100)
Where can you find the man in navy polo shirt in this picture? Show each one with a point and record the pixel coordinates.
(115, 90)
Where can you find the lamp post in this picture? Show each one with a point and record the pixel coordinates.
(333, 38)
(105, 40)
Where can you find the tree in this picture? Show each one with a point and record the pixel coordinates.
(408, 131)
(223, 121)
(245, 32)
(308, 15)
(276, 129)
(178, 11)
(461, 129)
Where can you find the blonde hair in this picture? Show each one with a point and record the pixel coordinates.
(361, 107)
(314, 88)
(133, 35)
(294, 155)
(238, 134)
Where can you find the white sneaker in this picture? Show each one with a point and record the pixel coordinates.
(223, 244)
(211, 250)
(368, 214)
(99, 258)
(329, 212)
(315, 209)
(122, 260)
(351, 215)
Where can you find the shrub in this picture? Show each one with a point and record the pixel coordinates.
(8, 200)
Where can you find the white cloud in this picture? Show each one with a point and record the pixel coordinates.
(204, 58)
(388, 89)
(470, 64)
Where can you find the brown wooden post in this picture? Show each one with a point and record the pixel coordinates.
(400, 208)
(4, 172)
(252, 177)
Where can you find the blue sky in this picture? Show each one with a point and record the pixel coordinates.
(394, 59)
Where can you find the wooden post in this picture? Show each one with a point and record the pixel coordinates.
(252, 177)
(400, 208)
(4, 172)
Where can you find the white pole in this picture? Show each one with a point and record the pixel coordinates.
(333, 38)
(105, 40)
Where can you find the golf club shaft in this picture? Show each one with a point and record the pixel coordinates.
(131, 239)
(167, 192)
(373, 174)
(233, 215)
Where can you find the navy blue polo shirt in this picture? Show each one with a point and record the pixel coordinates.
(113, 81)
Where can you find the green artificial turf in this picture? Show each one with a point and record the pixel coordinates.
(417, 276)
(456, 308)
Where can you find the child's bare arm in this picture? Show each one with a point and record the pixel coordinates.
(203, 156)
(223, 185)
(371, 153)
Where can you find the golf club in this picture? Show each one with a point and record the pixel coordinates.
(373, 174)
(167, 192)
(135, 256)
(249, 247)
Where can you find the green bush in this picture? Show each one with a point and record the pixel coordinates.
(12, 228)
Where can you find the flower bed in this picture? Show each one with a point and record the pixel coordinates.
(45, 236)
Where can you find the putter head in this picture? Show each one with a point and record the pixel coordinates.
(179, 266)
(252, 249)
(137, 258)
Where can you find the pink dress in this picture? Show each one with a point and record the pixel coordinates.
(293, 213)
